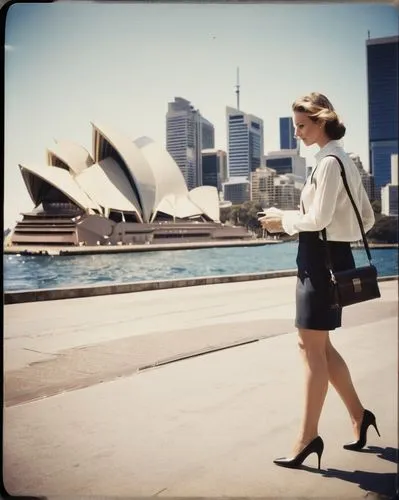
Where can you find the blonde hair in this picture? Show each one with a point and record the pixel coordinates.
(318, 107)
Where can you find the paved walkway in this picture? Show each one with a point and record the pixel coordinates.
(98, 403)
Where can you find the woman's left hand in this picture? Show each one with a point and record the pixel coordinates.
(272, 224)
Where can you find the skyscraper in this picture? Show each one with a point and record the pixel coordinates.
(214, 167)
(383, 85)
(205, 140)
(367, 178)
(287, 139)
(187, 132)
(237, 190)
(262, 186)
(389, 193)
(287, 161)
(207, 134)
(245, 142)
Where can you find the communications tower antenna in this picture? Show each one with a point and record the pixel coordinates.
(238, 88)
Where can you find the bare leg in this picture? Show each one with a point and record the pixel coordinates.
(312, 344)
(340, 378)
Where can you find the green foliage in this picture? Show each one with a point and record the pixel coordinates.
(243, 215)
(385, 229)
(247, 215)
(376, 204)
(225, 214)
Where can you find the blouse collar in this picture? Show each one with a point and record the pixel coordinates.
(330, 147)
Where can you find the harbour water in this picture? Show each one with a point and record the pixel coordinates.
(23, 272)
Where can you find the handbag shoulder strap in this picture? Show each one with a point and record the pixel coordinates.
(359, 219)
(311, 181)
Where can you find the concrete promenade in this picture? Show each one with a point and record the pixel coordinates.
(189, 392)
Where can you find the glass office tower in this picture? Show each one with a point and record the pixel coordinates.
(214, 168)
(287, 139)
(245, 142)
(187, 133)
(383, 89)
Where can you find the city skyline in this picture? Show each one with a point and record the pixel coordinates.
(67, 64)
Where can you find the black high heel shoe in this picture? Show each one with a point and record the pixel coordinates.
(315, 446)
(368, 419)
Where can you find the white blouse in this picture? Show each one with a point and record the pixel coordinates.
(327, 204)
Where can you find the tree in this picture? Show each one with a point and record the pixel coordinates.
(234, 218)
(376, 204)
(385, 229)
(246, 215)
(225, 214)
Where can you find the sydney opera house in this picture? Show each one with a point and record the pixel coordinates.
(127, 192)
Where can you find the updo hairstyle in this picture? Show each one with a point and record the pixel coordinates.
(317, 106)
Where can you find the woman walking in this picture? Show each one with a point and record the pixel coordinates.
(324, 205)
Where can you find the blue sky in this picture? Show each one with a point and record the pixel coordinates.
(70, 63)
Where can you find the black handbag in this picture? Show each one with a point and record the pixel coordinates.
(353, 285)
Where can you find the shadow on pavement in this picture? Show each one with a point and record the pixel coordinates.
(390, 454)
(385, 483)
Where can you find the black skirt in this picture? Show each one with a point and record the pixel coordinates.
(312, 291)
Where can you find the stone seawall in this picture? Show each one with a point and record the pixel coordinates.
(141, 286)
(153, 247)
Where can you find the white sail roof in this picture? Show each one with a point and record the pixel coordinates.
(172, 196)
(74, 156)
(167, 174)
(135, 165)
(178, 206)
(207, 198)
(35, 176)
(134, 176)
(106, 183)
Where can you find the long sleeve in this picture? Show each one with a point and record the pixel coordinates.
(367, 212)
(320, 212)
